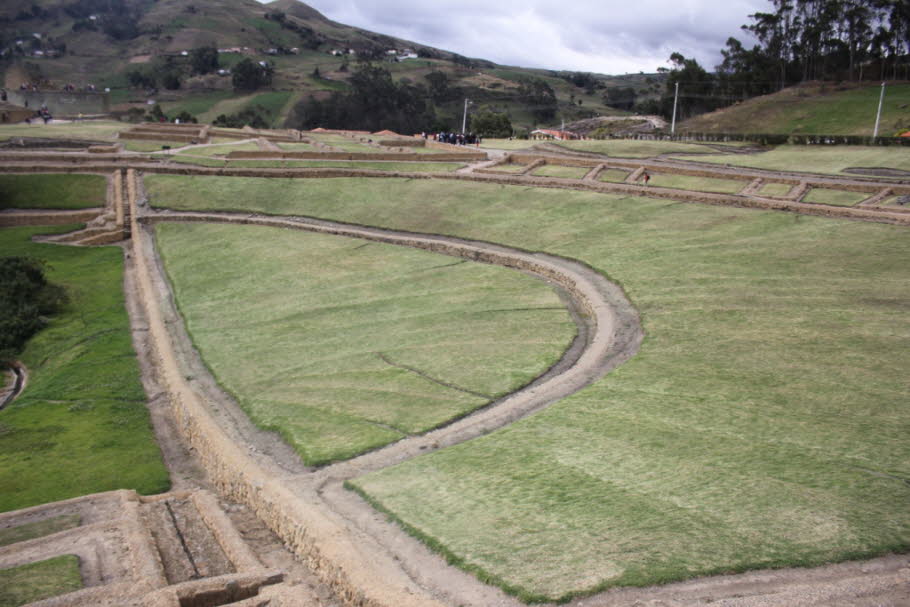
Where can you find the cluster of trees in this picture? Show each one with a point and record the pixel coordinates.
(169, 71)
(539, 97)
(116, 18)
(249, 75)
(26, 300)
(375, 102)
(800, 40)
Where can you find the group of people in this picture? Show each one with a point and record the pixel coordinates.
(454, 138)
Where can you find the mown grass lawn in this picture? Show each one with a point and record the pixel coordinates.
(762, 424)
(415, 167)
(81, 425)
(341, 330)
(51, 191)
(819, 159)
(39, 580)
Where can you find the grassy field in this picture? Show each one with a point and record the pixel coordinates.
(818, 159)
(30, 531)
(835, 197)
(345, 334)
(88, 129)
(555, 170)
(613, 175)
(762, 424)
(698, 184)
(135, 145)
(823, 109)
(81, 425)
(509, 168)
(40, 580)
(52, 191)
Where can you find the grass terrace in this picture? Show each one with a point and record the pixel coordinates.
(106, 130)
(555, 170)
(775, 190)
(50, 191)
(39, 580)
(222, 150)
(835, 197)
(30, 531)
(819, 159)
(509, 168)
(762, 424)
(697, 184)
(357, 344)
(614, 175)
(81, 425)
(635, 148)
(377, 165)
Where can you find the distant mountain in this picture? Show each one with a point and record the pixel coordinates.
(143, 49)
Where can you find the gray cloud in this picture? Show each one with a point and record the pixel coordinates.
(609, 37)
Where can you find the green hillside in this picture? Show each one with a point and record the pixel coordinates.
(813, 108)
(142, 50)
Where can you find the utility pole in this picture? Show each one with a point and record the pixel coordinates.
(878, 116)
(464, 121)
(675, 100)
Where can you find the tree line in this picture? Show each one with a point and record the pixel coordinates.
(797, 41)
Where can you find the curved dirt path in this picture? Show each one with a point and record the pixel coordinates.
(609, 333)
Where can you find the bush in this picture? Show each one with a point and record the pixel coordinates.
(26, 298)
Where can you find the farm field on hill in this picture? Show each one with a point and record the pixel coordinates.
(824, 109)
(81, 425)
(817, 159)
(356, 344)
(762, 424)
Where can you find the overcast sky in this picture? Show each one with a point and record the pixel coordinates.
(606, 36)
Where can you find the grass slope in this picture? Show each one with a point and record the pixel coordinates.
(81, 425)
(28, 531)
(634, 148)
(813, 108)
(762, 424)
(341, 330)
(52, 191)
(39, 580)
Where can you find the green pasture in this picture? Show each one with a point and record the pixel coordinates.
(635, 148)
(697, 184)
(81, 425)
(819, 159)
(40, 580)
(835, 197)
(52, 191)
(138, 145)
(762, 424)
(356, 344)
(555, 170)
